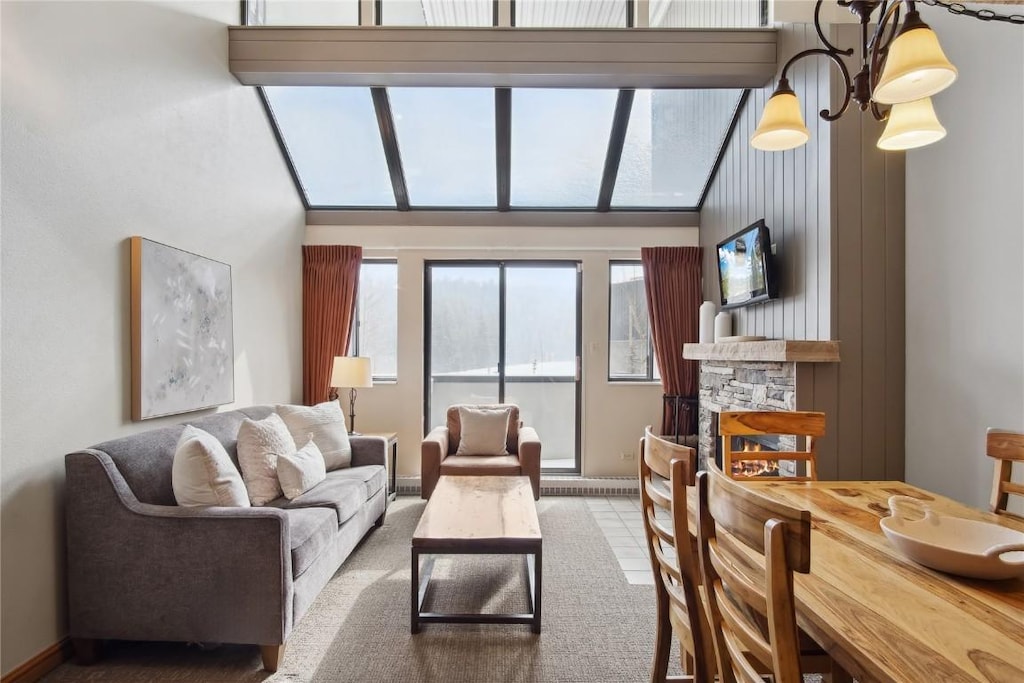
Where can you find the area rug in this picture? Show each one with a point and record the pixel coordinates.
(596, 626)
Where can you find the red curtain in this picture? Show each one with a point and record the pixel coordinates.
(330, 278)
(672, 280)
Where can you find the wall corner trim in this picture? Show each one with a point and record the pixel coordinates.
(38, 666)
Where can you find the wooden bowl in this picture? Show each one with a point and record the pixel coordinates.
(954, 545)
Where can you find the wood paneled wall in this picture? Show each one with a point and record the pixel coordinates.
(790, 190)
(835, 208)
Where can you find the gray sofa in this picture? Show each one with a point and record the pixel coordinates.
(140, 567)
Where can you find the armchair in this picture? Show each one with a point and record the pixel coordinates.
(439, 448)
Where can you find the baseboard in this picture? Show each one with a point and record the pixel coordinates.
(40, 665)
(556, 485)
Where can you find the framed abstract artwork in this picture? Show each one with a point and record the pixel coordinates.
(181, 325)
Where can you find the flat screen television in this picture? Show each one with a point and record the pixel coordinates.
(746, 269)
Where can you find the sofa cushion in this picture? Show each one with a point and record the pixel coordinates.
(260, 444)
(203, 474)
(325, 424)
(373, 477)
(481, 465)
(344, 496)
(300, 471)
(311, 530)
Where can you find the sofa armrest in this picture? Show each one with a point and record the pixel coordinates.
(529, 457)
(433, 450)
(156, 572)
(369, 450)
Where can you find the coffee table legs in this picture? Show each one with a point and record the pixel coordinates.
(420, 581)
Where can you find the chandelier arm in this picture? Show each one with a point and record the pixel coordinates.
(834, 56)
(878, 113)
(821, 34)
(890, 19)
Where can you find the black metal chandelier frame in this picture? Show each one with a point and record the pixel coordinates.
(874, 47)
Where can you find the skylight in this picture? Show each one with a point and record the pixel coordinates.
(441, 148)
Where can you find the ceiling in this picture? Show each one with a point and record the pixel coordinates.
(502, 148)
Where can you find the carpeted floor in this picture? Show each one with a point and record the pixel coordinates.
(596, 626)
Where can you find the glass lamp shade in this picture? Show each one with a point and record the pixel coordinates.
(782, 124)
(351, 372)
(915, 68)
(910, 125)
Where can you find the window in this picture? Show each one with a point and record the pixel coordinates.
(376, 334)
(630, 349)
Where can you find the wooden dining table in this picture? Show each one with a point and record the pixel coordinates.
(884, 617)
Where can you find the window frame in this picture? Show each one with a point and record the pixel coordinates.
(356, 323)
(649, 378)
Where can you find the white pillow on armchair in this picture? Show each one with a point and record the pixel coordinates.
(483, 431)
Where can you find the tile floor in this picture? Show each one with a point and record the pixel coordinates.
(619, 518)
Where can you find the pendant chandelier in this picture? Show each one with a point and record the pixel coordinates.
(902, 66)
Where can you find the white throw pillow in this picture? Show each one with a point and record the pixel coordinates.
(325, 424)
(202, 473)
(483, 431)
(260, 444)
(302, 470)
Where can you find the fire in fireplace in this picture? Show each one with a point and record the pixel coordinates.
(755, 467)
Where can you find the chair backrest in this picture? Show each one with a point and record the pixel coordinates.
(801, 424)
(749, 547)
(666, 470)
(455, 425)
(1006, 447)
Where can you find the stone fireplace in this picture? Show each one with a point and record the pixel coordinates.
(759, 375)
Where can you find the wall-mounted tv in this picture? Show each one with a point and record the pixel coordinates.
(746, 269)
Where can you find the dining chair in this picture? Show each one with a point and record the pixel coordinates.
(752, 423)
(1006, 447)
(749, 548)
(666, 470)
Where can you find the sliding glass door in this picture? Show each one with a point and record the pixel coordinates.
(508, 332)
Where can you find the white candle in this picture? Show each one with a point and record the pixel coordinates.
(707, 322)
(723, 325)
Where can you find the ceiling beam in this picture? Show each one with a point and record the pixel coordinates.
(616, 141)
(511, 219)
(386, 124)
(503, 57)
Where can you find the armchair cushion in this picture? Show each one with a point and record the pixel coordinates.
(481, 465)
(484, 431)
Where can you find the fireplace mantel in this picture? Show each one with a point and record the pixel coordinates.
(769, 351)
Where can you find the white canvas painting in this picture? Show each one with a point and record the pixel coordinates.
(182, 331)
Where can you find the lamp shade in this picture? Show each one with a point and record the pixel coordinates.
(916, 66)
(910, 125)
(351, 372)
(782, 123)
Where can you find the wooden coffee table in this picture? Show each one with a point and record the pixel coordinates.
(478, 516)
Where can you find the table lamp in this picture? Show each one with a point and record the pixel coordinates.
(354, 373)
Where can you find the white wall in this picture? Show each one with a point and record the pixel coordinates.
(120, 119)
(965, 247)
(613, 414)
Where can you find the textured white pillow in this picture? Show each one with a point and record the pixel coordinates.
(302, 470)
(325, 424)
(202, 473)
(484, 431)
(260, 444)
